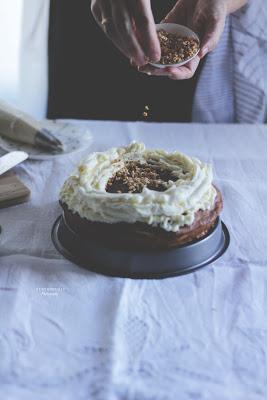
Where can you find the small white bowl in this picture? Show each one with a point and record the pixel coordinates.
(181, 30)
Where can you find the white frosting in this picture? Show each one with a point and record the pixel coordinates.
(84, 191)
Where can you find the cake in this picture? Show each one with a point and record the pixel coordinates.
(134, 198)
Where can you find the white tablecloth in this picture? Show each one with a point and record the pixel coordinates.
(66, 333)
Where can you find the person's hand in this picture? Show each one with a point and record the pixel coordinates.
(131, 27)
(205, 17)
(186, 71)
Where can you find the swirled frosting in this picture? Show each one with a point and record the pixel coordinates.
(84, 192)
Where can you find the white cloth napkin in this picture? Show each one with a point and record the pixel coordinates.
(66, 333)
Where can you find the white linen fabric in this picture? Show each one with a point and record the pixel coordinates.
(10, 30)
(67, 333)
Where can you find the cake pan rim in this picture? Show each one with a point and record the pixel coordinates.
(138, 275)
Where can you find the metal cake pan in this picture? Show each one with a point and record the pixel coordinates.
(140, 264)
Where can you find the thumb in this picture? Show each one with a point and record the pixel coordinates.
(212, 36)
(177, 14)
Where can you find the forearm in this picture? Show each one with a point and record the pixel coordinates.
(234, 5)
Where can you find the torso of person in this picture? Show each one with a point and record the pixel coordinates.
(90, 79)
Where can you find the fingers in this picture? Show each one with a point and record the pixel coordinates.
(150, 70)
(210, 22)
(186, 71)
(145, 28)
(177, 15)
(102, 13)
(131, 27)
(96, 11)
(101, 10)
(124, 27)
(211, 37)
(108, 18)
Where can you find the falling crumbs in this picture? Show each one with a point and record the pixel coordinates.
(145, 113)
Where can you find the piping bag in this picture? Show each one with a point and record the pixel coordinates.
(20, 127)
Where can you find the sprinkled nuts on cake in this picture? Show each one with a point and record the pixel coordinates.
(134, 176)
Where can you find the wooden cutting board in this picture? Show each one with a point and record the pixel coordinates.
(12, 190)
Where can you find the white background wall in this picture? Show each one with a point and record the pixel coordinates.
(10, 28)
(23, 54)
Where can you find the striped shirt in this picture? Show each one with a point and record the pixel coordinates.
(233, 83)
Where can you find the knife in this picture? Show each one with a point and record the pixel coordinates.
(12, 159)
